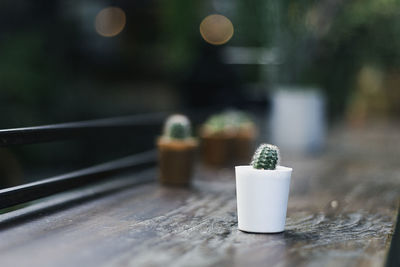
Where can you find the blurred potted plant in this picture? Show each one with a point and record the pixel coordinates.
(227, 138)
(297, 118)
(177, 151)
(297, 121)
(262, 190)
(332, 45)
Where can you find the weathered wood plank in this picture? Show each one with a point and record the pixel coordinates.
(342, 210)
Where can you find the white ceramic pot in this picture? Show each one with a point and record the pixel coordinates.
(262, 197)
(298, 119)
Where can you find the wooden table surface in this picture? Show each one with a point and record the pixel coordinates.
(341, 212)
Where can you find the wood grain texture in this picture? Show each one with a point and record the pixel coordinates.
(341, 212)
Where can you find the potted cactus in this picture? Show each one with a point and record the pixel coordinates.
(227, 138)
(262, 190)
(177, 151)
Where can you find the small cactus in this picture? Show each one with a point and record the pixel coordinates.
(266, 157)
(227, 121)
(177, 127)
(215, 123)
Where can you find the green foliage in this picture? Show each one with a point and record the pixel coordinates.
(177, 127)
(341, 39)
(266, 157)
(26, 71)
(256, 21)
(180, 20)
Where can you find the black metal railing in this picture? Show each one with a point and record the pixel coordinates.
(27, 192)
(137, 124)
(85, 129)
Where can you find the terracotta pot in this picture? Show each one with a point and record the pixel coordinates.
(216, 149)
(176, 161)
(227, 149)
(243, 146)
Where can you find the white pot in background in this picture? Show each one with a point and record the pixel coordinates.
(297, 120)
(262, 197)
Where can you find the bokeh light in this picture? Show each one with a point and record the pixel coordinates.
(110, 21)
(216, 29)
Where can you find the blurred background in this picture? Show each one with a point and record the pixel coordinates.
(296, 65)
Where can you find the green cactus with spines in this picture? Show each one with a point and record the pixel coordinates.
(177, 127)
(216, 123)
(177, 131)
(266, 157)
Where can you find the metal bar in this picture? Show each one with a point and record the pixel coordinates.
(32, 191)
(55, 132)
(72, 198)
